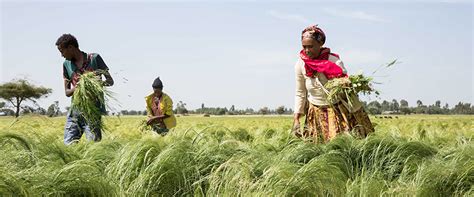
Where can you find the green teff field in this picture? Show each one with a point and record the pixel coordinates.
(238, 156)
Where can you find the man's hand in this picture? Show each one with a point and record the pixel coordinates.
(154, 118)
(151, 120)
(70, 91)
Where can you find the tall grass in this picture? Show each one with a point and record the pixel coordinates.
(230, 157)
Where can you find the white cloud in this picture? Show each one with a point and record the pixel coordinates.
(288, 17)
(361, 15)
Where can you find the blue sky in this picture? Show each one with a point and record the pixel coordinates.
(242, 53)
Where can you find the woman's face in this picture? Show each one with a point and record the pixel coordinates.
(311, 47)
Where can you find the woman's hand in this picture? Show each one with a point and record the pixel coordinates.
(296, 124)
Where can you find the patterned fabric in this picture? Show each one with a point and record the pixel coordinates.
(166, 107)
(325, 122)
(157, 111)
(93, 62)
(315, 33)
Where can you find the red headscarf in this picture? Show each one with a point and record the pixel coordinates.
(322, 65)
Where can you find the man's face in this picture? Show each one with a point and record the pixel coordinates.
(311, 47)
(157, 91)
(66, 52)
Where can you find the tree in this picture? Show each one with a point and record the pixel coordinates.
(27, 110)
(385, 106)
(53, 109)
(433, 109)
(264, 110)
(446, 109)
(374, 107)
(249, 111)
(4, 110)
(181, 108)
(462, 108)
(50, 111)
(420, 108)
(18, 91)
(221, 111)
(419, 103)
(280, 110)
(40, 111)
(132, 112)
(8, 112)
(403, 103)
(395, 105)
(404, 107)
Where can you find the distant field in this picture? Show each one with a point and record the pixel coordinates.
(419, 155)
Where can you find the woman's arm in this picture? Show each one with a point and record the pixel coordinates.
(300, 93)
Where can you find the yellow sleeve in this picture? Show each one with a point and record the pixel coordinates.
(168, 106)
(148, 107)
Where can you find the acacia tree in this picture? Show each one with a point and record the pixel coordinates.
(18, 91)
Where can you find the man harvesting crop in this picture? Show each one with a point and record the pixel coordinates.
(76, 64)
(159, 107)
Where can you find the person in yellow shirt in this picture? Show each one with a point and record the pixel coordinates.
(159, 107)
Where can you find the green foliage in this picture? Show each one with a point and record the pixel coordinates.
(18, 91)
(246, 156)
(90, 95)
(348, 88)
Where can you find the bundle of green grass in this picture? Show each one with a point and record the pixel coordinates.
(347, 88)
(89, 97)
(218, 161)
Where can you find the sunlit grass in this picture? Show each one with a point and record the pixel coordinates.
(238, 156)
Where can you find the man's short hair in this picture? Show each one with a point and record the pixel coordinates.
(67, 39)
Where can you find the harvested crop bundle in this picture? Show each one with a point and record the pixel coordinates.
(347, 87)
(89, 98)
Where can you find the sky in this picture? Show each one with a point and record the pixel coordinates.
(242, 53)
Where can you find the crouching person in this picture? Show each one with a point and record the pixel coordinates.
(159, 107)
